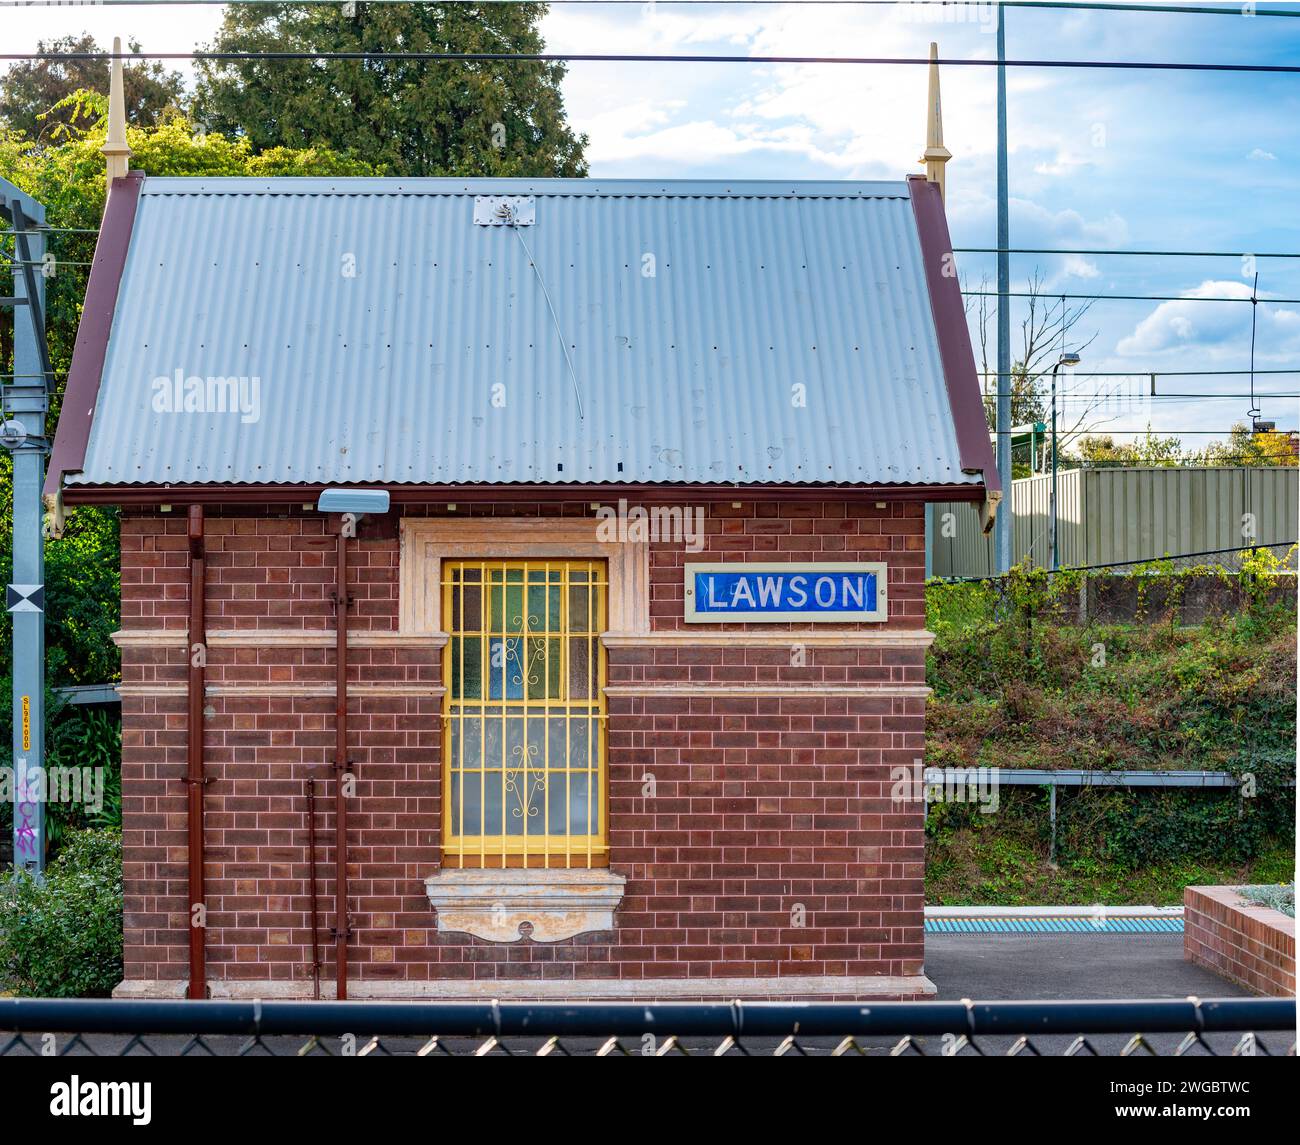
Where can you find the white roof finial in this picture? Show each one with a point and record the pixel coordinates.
(115, 148)
(936, 154)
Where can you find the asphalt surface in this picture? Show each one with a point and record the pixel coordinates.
(987, 967)
(993, 967)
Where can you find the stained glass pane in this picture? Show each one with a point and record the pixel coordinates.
(582, 677)
(524, 708)
(506, 671)
(466, 606)
(466, 668)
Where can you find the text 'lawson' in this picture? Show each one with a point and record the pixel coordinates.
(736, 592)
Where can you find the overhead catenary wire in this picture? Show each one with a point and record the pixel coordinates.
(1124, 297)
(46, 231)
(1124, 253)
(1155, 432)
(1071, 5)
(628, 57)
(1254, 410)
(1102, 395)
(649, 58)
(1160, 373)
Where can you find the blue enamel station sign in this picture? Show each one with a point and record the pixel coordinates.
(826, 592)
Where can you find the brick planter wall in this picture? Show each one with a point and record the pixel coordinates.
(765, 802)
(1246, 943)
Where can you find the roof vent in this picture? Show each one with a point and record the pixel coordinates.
(504, 210)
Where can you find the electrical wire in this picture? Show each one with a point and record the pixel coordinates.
(966, 250)
(1160, 373)
(1253, 412)
(648, 58)
(1123, 297)
(1103, 395)
(1070, 5)
(1125, 253)
(513, 224)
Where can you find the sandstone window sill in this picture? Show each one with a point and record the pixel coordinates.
(508, 905)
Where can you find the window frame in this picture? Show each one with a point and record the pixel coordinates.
(543, 850)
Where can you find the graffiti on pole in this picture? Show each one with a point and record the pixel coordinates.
(25, 817)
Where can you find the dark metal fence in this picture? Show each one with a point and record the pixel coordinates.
(1191, 1027)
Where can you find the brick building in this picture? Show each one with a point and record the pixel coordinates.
(522, 582)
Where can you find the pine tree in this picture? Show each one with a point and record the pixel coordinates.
(403, 117)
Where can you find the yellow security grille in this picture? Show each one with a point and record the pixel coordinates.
(523, 739)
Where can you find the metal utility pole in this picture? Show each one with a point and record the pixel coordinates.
(1070, 359)
(1003, 525)
(26, 403)
(1051, 513)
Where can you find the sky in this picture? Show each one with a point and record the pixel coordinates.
(1098, 159)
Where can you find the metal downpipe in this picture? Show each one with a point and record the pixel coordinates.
(194, 778)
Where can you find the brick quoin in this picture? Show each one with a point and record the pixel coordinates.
(763, 803)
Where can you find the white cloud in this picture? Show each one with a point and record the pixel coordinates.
(1037, 225)
(1077, 266)
(697, 142)
(1215, 330)
(854, 122)
(1260, 154)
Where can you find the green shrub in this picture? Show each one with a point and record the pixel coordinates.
(62, 938)
(1279, 898)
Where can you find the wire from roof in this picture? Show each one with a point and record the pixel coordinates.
(513, 224)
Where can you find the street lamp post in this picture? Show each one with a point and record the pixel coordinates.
(1064, 360)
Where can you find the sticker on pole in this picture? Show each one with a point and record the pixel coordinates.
(25, 597)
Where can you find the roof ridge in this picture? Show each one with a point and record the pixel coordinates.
(561, 188)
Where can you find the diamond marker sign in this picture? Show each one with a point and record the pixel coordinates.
(25, 597)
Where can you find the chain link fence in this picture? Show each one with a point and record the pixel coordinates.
(1239, 1027)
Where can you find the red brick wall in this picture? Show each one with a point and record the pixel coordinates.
(1241, 941)
(762, 802)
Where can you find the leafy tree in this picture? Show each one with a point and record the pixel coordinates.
(34, 94)
(1245, 447)
(1150, 450)
(405, 117)
(81, 568)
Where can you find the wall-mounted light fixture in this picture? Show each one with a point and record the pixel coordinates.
(353, 501)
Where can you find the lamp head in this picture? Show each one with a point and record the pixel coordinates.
(353, 501)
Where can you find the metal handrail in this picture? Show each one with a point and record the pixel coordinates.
(613, 1019)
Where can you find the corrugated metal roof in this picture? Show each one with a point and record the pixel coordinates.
(438, 358)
